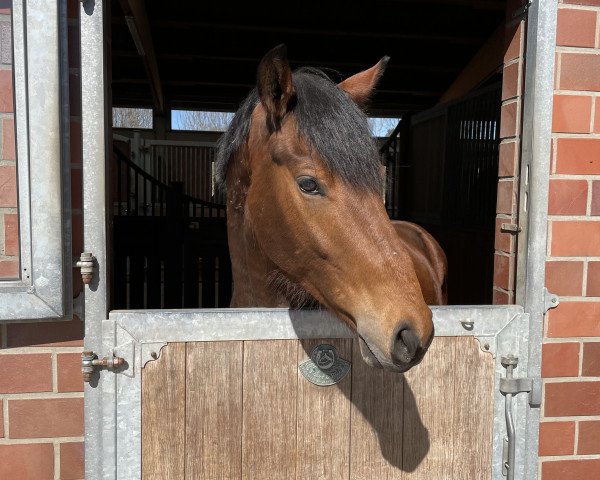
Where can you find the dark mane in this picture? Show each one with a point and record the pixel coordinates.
(327, 119)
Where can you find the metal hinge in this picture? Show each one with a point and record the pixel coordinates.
(90, 361)
(509, 387)
(522, 10)
(87, 263)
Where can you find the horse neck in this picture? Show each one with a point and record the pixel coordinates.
(250, 266)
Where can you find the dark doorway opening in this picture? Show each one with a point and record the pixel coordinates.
(441, 161)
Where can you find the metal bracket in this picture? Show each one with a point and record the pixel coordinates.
(87, 264)
(135, 353)
(509, 228)
(551, 300)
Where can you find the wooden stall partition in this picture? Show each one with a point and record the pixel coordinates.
(242, 409)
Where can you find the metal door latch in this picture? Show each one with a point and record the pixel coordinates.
(87, 263)
(90, 361)
(509, 387)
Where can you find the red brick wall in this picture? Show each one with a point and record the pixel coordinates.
(508, 168)
(570, 429)
(41, 390)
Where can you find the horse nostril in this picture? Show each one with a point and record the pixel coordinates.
(405, 345)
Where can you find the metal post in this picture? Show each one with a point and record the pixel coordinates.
(94, 131)
(535, 158)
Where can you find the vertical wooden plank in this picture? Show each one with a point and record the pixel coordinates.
(163, 415)
(428, 415)
(376, 421)
(214, 410)
(473, 410)
(323, 420)
(269, 409)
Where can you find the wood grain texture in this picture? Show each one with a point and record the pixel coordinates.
(230, 410)
(324, 420)
(163, 415)
(214, 410)
(428, 414)
(473, 406)
(376, 422)
(269, 409)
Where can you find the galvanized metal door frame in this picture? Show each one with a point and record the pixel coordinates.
(138, 336)
(538, 97)
(94, 131)
(44, 288)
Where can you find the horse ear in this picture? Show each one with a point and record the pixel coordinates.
(361, 85)
(275, 87)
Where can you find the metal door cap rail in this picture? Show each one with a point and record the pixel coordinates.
(483, 323)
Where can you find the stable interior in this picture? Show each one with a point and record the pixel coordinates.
(442, 85)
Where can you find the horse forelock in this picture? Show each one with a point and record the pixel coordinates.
(328, 121)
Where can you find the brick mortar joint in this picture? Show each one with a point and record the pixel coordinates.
(580, 379)
(513, 61)
(576, 93)
(558, 458)
(578, 299)
(49, 395)
(45, 440)
(574, 177)
(39, 350)
(574, 218)
(582, 50)
(572, 418)
(582, 340)
(56, 449)
(575, 136)
(573, 6)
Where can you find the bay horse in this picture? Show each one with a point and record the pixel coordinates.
(305, 218)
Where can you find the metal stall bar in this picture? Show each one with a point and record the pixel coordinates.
(94, 132)
(533, 202)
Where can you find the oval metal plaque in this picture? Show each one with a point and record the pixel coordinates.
(324, 367)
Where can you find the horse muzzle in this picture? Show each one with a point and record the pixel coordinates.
(405, 351)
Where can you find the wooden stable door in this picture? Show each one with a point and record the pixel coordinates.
(242, 409)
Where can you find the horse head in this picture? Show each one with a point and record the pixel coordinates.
(306, 219)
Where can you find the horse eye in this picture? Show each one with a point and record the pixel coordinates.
(308, 185)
